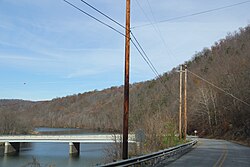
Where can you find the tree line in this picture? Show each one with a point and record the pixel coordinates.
(154, 103)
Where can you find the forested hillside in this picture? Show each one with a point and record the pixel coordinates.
(153, 104)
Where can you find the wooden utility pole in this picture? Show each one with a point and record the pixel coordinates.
(126, 84)
(185, 104)
(180, 107)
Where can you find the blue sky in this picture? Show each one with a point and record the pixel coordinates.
(49, 49)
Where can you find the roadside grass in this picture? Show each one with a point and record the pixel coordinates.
(172, 140)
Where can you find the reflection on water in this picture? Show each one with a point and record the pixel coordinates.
(56, 154)
(1, 150)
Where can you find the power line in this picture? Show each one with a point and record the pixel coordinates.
(143, 11)
(222, 90)
(156, 27)
(147, 60)
(91, 6)
(194, 14)
(144, 55)
(107, 25)
(142, 52)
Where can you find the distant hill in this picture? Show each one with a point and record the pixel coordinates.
(154, 107)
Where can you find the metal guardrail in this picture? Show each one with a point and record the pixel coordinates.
(152, 158)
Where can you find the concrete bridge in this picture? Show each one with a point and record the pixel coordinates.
(12, 142)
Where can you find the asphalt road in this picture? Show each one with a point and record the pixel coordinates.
(212, 153)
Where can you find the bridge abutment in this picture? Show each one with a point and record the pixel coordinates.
(74, 148)
(11, 147)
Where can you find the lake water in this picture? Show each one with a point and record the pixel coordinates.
(57, 154)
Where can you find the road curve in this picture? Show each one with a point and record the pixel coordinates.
(213, 153)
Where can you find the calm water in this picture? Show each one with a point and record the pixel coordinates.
(57, 154)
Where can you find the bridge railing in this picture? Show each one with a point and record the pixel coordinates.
(152, 158)
(23, 138)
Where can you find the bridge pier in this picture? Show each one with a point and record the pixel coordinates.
(11, 147)
(74, 148)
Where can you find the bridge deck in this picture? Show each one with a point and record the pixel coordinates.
(63, 138)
